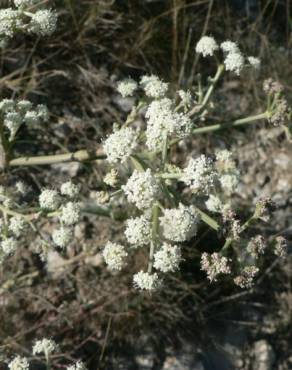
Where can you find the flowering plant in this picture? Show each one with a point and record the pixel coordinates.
(167, 202)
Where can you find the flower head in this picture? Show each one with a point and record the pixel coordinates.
(114, 255)
(120, 145)
(163, 121)
(69, 189)
(8, 246)
(127, 87)
(78, 366)
(62, 237)
(19, 363)
(254, 62)
(146, 281)
(214, 264)
(138, 230)
(167, 258)
(17, 225)
(49, 199)
(207, 46)
(142, 189)
(246, 278)
(229, 47)
(200, 174)
(71, 213)
(46, 346)
(43, 22)
(234, 62)
(153, 86)
(180, 224)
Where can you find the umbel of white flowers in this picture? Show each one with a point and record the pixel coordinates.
(27, 16)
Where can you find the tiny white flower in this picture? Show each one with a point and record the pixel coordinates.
(163, 121)
(19, 363)
(153, 86)
(207, 46)
(69, 189)
(7, 105)
(229, 181)
(24, 105)
(127, 87)
(167, 258)
(214, 204)
(120, 145)
(234, 62)
(8, 246)
(180, 224)
(49, 199)
(229, 47)
(62, 237)
(254, 62)
(71, 213)
(78, 366)
(146, 281)
(138, 230)
(200, 174)
(214, 264)
(31, 117)
(10, 21)
(43, 22)
(46, 346)
(142, 189)
(114, 255)
(17, 225)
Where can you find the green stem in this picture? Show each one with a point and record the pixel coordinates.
(79, 156)
(209, 92)
(238, 122)
(155, 215)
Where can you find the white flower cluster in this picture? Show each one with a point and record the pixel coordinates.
(142, 188)
(17, 225)
(207, 46)
(69, 189)
(153, 86)
(19, 363)
(65, 204)
(146, 281)
(71, 213)
(163, 121)
(233, 58)
(62, 237)
(39, 21)
(49, 199)
(46, 346)
(78, 366)
(127, 87)
(200, 175)
(43, 22)
(120, 145)
(8, 246)
(167, 258)
(16, 113)
(246, 278)
(138, 230)
(114, 255)
(256, 246)
(214, 264)
(180, 224)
